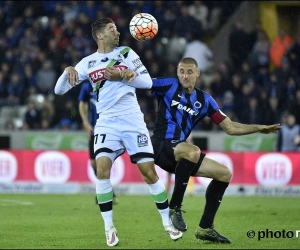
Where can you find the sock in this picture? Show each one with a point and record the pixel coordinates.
(160, 197)
(104, 194)
(214, 194)
(182, 176)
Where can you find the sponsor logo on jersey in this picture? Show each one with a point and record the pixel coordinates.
(144, 72)
(98, 75)
(137, 64)
(91, 63)
(184, 108)
(142, 140)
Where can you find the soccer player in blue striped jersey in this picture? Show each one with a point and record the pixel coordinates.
(180, 107)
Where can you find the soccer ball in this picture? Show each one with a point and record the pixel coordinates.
(143, 26)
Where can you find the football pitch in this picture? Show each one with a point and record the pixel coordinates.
(36, 221)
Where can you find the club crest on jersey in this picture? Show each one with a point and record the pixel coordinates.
(142, 140)
(91, 64)
(119, 58)
(184, 108)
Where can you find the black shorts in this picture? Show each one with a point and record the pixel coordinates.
(164, 155)
(91, 148)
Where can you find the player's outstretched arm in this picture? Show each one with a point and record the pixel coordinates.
(66, 81)
(235, 128)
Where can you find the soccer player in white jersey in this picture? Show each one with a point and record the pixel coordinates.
(114, 73)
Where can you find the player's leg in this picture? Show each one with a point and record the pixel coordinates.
(138, 145)
(168, 185)
(94, 166)
(159, 195)
(92, 159)
(107, 146)
(183, 157)
(221, 176)
(104, 194)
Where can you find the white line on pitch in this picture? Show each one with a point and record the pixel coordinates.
(6, 202)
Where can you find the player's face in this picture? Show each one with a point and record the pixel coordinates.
(187, 75)
(111, 35)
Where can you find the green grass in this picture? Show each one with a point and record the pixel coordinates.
(74, 221)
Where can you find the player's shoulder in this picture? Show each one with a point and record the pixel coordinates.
(168, 78)
(89, 58)
(165, 81)
(204, 93)
(123, 49)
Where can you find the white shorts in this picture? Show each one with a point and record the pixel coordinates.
(120, 133)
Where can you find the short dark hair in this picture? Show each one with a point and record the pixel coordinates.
(188, 60)
(99, 26)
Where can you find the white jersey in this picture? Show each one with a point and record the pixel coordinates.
(113, 97)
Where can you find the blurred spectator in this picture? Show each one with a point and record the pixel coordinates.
(65, 124)
(46, 78)
(48, 113)
(186, 23)
(242, 100)
(32, 116)
(199, 11)
(3, 90)
(260, 54)
(293, 54)
(29, 81)
(198, 50)
(279, 47)
(289, 136)
(68, 115)
(9, 125)
(89, 8)
(295, 106)
(225, 70)
(252, 113)
(175, 48)
(262, 76)
(285, 71)
(245, 73)
(254, 34)
(228, 101)
(236, 85)
(239, 46)
(15, 90)
(71, 11)
(55, 53)
(274, 110)
(45, 125)
(218, 85)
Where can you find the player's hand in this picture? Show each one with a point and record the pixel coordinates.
(72, 75)
(128, 75)
(88, 128)
(266, 129)
(112, 74)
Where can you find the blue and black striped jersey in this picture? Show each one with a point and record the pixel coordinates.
(179, 112)
(87, 95)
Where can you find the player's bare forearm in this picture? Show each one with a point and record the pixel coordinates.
(235, 128)
(83, 111)
(113, 74)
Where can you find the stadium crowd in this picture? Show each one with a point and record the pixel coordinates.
(38, 39)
